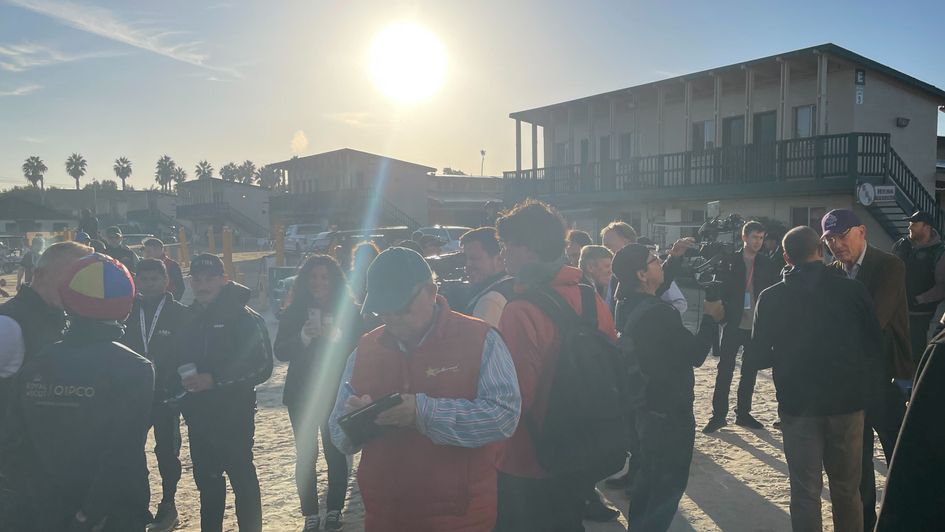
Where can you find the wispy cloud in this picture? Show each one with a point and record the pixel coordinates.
(219, 5)
(22, 90)
(105, 23)
(24, 56)
(299, 142)
(352, 118)
(33, 140)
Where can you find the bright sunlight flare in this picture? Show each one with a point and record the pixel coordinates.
(407, 62)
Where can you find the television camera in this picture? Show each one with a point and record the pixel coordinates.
(718, 237)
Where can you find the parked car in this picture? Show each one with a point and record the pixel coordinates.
(11, 252)
(447, 233)
(135, 239)
(301, 236)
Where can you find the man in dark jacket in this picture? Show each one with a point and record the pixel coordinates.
(82, 411)
(229, 346)
(116, 249)
(652, 333)
(914, 498)
(152, 330)
(819, 332)
(884, 277)
(30, 322)
(154, 249)
(744, 274)
(922, 253)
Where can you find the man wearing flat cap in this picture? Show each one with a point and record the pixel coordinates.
(885, 278)
(433, 468)
(922, 251)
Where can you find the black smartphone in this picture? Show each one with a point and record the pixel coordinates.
(359, 426)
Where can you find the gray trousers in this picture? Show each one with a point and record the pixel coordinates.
(813, 444)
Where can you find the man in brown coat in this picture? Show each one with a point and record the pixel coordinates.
(884, 275)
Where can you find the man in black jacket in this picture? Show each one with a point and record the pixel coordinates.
(116, 249)
(227, 353)
(652, 333)
(819, 332)
(152, 329)
(81, 414)
(922, 252)
(744, 275)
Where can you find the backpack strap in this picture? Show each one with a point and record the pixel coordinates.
(550, 302)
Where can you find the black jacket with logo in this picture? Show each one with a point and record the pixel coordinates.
(229, 341)
(80, 419)
(164, 348)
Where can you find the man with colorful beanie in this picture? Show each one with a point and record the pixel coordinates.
(82, 412)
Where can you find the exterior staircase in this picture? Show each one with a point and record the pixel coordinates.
(910, 196)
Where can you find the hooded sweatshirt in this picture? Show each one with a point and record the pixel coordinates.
(819, 332)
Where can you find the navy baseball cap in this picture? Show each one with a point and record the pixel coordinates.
(392, 280)
(838, 221)
(921, 216)
(206, 263)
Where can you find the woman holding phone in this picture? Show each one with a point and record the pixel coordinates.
(318, 330)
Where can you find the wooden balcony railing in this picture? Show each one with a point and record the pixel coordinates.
(815, 158)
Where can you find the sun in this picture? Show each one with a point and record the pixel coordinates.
(407, 62)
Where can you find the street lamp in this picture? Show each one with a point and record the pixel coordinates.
(482, 164)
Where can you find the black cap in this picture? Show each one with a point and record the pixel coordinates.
(206, 263)
(627, 262)
(921, 216)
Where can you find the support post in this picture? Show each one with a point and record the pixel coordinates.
(821, 93)
(518, 148)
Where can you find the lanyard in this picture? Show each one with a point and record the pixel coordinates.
(751, 273)
(147, 334)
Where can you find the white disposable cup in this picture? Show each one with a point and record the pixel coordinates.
(187, 370)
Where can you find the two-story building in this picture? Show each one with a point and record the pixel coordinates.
(786, 137)
(349, 188)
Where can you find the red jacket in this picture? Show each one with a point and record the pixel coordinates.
(407, 482)
(534, 343)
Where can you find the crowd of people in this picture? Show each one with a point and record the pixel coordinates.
(562, 363)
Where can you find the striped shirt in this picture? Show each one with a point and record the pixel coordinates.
(492, 416)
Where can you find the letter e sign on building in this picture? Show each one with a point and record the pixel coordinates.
(859, 80)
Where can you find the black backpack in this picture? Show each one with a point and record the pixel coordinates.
(585, 427)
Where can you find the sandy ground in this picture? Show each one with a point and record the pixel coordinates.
(738, 478)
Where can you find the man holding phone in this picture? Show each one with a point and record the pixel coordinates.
(432, 468)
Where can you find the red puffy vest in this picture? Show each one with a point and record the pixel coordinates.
(407, 482)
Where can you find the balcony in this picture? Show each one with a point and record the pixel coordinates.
(811, 164)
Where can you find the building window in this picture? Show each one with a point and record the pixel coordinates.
(809, 216)
(626, 146)
(703, 135)
(805, 118)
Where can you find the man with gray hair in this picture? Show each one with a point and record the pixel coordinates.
(595, 262)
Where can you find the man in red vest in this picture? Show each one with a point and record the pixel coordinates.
(432, 468)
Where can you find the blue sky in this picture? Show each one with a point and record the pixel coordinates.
(229, 80)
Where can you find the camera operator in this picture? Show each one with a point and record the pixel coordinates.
(743, 275)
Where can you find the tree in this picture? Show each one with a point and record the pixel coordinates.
(122, 170)
(75, 167)
(269, 176)
(229, 172)
(34, 169)
(203, 170)
(179, 176)
(105, 184)
(164, 172)
(450, 171)
(247, 172)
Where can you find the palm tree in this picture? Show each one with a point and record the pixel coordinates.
(203, 170)
(268, 176)
(179, 176)
(247, 173)
(164, 172)
(122, 169)
(33, 170)
(75, 167)
(229, 172)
